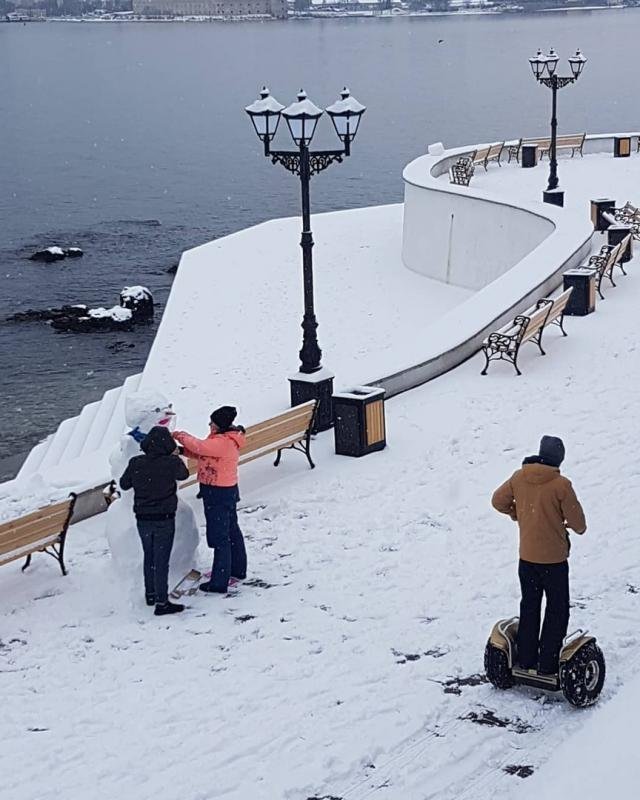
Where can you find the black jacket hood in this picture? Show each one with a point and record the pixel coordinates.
(158, 442)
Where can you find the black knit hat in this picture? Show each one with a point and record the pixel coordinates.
(552, 450)
(223, 417)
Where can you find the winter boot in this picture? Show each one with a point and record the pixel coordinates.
(168, 608)
(151, 599)
(208, 588)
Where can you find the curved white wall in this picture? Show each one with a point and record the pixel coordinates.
(513, 255)
(463, 240)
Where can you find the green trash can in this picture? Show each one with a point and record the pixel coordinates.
(359, 421)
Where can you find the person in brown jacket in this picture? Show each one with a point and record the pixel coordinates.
(544, 504)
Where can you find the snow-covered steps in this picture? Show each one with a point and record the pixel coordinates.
(82, 443)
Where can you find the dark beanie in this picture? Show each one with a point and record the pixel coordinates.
(223, 417)
(552, 450)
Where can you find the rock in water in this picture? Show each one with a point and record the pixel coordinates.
(48, 314)
(96, 319)
(48, 255)
(73, 252)
(138, 300)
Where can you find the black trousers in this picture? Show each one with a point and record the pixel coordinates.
(536, 648)
(157, 540)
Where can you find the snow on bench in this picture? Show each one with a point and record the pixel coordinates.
(44, 530)
(462, 171)
(607, 259)
(505, 343)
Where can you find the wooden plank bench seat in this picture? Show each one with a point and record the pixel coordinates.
(505, 343)
(288, 431)
(484, 155)
(462, 171)
(573, 142)
(607, 260)
(44, 530)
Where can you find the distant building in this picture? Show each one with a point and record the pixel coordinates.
(27, 15)
(211, 8)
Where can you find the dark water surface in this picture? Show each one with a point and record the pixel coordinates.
(130, 141)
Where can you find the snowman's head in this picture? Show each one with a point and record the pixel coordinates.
(144, 410)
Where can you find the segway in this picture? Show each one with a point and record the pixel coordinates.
(580, 675)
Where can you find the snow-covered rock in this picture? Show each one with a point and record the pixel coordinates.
(48, 255)
(139, 300)
(115, 313)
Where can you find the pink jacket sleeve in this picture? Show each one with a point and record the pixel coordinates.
(210, 448)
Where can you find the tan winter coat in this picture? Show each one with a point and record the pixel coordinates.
(543, 503)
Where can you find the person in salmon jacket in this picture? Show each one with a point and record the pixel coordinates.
(217, 457)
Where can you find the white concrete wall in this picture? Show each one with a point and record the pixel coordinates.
(549, 241)
(466, 240)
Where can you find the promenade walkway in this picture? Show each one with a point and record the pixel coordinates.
(350, 664)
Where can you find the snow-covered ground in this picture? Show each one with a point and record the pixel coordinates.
(349, 665)
(232, 322)
(583, 179)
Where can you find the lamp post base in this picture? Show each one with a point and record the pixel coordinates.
(553, 196)
(315, 386)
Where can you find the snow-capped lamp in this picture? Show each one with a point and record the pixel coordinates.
(265, 116)
(544, 71)
(346, 114)
(302, 118)
(552, 61)
(577, 63)
(312, 381)
(538, 64)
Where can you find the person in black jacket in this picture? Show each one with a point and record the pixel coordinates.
(153, 478)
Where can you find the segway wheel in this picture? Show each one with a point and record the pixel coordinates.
(582, 677)
(496, 667)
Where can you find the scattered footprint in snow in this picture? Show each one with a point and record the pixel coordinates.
(452, 686)
(488, 717)
(521, 770)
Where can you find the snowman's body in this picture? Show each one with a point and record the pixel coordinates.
(142, 412)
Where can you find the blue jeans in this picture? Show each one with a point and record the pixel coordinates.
(156, 536)
(224, 534)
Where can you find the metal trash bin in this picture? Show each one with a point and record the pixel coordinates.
(599, 207)
(583, 297)
(621, 146)
(359, 422)
(529, 155)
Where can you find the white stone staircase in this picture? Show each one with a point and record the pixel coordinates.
(87, 438)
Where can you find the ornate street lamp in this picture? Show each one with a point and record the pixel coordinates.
(312, 381)
(544, 71)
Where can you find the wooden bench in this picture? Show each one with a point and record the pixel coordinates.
(288, 431)
(505, 344)
(573, 142)
(609, 257)
(462, 171)
(513, 150)
(490, 152)
(44, 530)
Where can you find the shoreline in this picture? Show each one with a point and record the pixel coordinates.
(368, 14)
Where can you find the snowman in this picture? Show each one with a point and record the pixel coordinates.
(142, 411)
